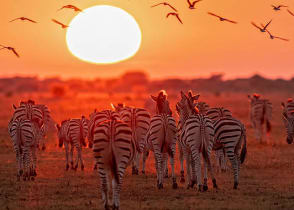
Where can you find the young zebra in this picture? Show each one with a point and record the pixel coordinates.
(288, 119)
(162, 138)
(138, 120)
(113, 150)
(260, 113)
(25, 136)
(196, 138)
(73, 132)
(97, 118)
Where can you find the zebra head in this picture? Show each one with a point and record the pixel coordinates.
(117, 107)
(185, 107)
(162, 104)
(289, 125)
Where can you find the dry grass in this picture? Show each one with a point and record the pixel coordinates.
(267, 178)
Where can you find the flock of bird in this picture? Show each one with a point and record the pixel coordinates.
(191, 5)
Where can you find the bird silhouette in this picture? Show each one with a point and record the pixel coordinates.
(165, 4)
(59, 23)
(262, 28)
(174, 14)
(192, 5)
(76, 9)
(276, 37)
(23, 19)
(221, 18)
(11, 49)
(291, 13)
(277, 8)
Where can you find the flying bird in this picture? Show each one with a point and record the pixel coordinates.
(291, 13)
(276, 37)
(175, 14)
(11, 49)
(59, 23)
(221, 18)
(192, 5)
(262, 28)
(277, 8)
(76, 9)
(23, 19)
(165, 4)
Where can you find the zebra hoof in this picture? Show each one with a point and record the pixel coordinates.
(32, 178)
(75, 168)
(200, 188)
(66, 167)
(107, 207)
(205, 188)
(214, 183)
(20, 172)
(114, 207)
(143, 172)
(82, 167)
(235, 186)
(34, 173)
(135, 171)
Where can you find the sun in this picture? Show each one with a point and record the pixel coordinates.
(103, 34)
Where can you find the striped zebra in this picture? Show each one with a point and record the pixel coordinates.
(138, 119)
(114, 150)
(37, 112)
(260, 113)
(230, 133)
(162, 138)
(97, 118)
(25, 135)
(196, 138)
(73, 132)
(288, 119)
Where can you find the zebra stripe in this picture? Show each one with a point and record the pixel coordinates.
(260, 113)
(138, 120)
(162, 140)
(229, 135)
(24, 136)
(288, 119)
(73, 132)
(288, 108)
(113, 150)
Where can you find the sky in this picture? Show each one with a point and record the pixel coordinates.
(200, 47)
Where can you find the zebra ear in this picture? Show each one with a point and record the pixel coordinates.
(95, 110)
(113, 106)
(283, 105)
(154, 98)
(14, 107)
(183, 94)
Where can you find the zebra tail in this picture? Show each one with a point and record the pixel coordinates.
(268, 126)
(244, 147)
(114, 162)
(203, 144)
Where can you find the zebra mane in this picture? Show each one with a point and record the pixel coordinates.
(290, 100)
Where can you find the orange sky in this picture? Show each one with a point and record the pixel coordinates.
(199, 47)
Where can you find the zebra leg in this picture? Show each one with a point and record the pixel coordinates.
(145, 156)
(138, 162)
(197, 165)
(26, 164)
(135, 170)
(34, 156)
(181, 157)
(19, 165)
(208, 165)
(205, 186)
(71, 157)
(104, 188)
(175, 185)
(188, 168)
(158, 164)
(234, 162)
(66, 156)
(116, 186)
(165, 165)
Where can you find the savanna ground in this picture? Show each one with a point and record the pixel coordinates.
(266, 182)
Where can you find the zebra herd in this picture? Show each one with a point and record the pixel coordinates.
(122, 135)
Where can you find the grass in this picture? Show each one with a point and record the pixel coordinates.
(266, 182)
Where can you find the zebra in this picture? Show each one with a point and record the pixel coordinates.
(38, 112)
(97, 118)
(114, 150)
(288, 119)
(138, 120)
(196, 137)
(74, 132)
(260, 113)
(162, 138)
(25, 136)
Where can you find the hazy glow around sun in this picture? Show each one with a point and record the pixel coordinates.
(103, 34)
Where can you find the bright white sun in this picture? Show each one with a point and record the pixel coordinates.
(103, 34)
